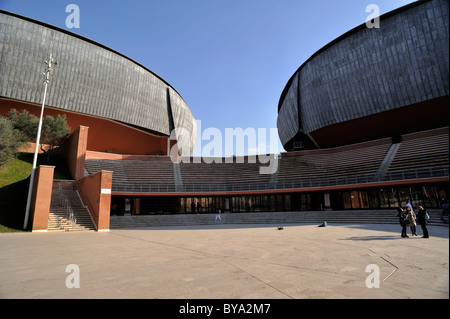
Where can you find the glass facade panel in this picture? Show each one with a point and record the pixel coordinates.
(404, 196)
(386, 198)
(393, 197)
(364, 199)
(416, 196)
(346, 198)
(354, 199)
(287, 202)
(306, 201)
(374, 198)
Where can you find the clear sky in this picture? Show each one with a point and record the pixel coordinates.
(229, 59)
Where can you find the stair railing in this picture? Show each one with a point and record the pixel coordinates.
(70, 215)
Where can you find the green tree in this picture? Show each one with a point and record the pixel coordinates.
(54, 132)
(25, 123)
(10, 141)
(24, 129)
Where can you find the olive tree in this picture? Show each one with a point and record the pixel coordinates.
(19, 128)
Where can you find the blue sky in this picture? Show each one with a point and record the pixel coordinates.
(229, 59)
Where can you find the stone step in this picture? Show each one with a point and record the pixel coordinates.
(352, 217)
(58, 216)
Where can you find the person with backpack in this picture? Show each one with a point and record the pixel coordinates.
(423, 217)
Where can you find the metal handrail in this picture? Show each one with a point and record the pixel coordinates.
(395, 175)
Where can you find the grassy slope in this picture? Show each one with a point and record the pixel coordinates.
(14, 182)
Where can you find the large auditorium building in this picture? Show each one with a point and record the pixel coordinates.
(364, 121)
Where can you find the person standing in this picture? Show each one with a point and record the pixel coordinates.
(421, 217)
(401, 218)
(218, 215)
(411, 220)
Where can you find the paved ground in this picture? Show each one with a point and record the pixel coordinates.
(227, 261)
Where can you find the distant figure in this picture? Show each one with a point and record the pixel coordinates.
(422, 217)
(401, 218)
(114, 209)
(192, 207)
(444, 214)
(218, 215)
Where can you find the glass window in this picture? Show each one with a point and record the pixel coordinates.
(354, 198)
(393, 197)
(257, 204)
(364, 199)
(182, 205)
(272, 203)
(279, 203)
(264, 203)
(306, 201)
(190, 203)
(384, 198)
(403, 195)
(416, 196)
(346, 198)
(250, 203)
(429, 197)
(287, 202)
(336, 200)
(374, 200)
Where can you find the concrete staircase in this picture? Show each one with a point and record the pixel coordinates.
(67, 212)
(275, 218)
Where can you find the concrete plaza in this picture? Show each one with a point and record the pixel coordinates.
(227, 262)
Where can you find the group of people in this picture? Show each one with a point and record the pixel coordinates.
(409, 219)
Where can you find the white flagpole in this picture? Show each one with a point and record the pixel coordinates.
(49, 63)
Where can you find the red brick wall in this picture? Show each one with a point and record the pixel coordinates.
(74, 149)
(95, 191)
(41, 198)
(105, 135)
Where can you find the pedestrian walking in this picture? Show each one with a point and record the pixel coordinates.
(423, 217)
(218, 215)
(411, 219)
(401, 218)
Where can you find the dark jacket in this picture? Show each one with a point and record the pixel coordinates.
(421, 216)
(401, 217)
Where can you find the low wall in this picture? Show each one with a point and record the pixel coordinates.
(95, 192)
(41, 198)
(359, 217)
